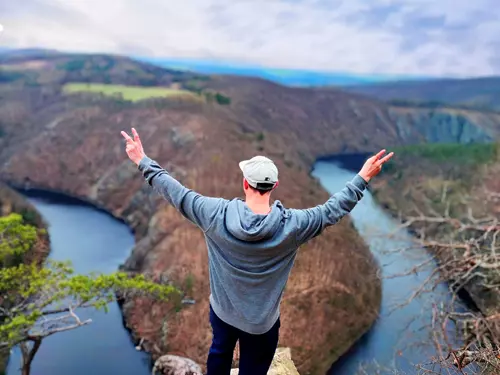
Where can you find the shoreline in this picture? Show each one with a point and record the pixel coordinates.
(19, 202)
(353, 162)
(53, 196)
(65, 197)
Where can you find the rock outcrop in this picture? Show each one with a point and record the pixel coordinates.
(445, 125)
(282, 364)
(175, 365)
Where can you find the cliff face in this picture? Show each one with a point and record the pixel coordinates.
(446, 111)
(72, 143)
(445, 125)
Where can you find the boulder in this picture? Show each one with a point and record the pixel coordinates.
(175, 365)
(282, 364)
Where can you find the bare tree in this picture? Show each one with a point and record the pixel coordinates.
(465, 255)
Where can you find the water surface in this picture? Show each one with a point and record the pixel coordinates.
(93, 241)
(400, 337)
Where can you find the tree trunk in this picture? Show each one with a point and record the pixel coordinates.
(26, 369)
(28, 355)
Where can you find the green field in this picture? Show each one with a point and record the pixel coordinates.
(477, 153)
(132, 93)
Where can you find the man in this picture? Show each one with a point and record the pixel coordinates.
(252, 245)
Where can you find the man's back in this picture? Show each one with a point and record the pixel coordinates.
(250, 258)
(250, 255)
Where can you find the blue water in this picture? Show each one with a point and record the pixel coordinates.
(93, 241)
(400, 337)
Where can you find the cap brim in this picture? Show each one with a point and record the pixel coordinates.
(242, 164)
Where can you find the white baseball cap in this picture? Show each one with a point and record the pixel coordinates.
(260, 170)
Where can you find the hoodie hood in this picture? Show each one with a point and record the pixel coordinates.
(245, 225)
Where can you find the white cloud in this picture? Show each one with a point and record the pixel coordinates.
(423, 37)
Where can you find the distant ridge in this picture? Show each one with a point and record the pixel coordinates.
(481, 92)
(289, 77)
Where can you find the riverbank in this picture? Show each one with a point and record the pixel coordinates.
(66, 197)
(349, 161)
(437, 186)
(94, 241)
(448, 185)
(12, 202)
(396, 339)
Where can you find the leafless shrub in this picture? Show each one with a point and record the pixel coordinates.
(464, 255)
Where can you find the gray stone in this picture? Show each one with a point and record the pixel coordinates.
(282, 364)
(175, 365)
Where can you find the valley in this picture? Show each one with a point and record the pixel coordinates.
(60, 123)
(72, 144)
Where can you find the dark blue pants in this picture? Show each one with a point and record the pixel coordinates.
(256, 351)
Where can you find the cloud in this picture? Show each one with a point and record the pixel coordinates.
(418, 37)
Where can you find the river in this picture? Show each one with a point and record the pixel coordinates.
(94, 241)
(400, 336)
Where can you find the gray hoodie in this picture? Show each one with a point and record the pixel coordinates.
(250, 256)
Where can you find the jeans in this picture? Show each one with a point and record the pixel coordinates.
(256, 351)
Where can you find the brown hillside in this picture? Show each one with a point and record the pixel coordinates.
(73, 144)
(318, 122)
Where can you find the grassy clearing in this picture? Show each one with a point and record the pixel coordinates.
(462, 164)
(132, 93)
(467, 154)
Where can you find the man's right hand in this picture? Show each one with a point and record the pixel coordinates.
(373, 165)
(134, 148)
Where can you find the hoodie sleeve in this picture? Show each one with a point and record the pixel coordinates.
(312, 221)
(197, 208)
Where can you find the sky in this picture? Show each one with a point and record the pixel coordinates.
(411, 37)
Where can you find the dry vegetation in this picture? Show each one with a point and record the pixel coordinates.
(453, 208)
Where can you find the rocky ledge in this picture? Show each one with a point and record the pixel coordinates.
(176, 365)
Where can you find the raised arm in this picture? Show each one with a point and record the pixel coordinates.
(312, 221)
(195, 207)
